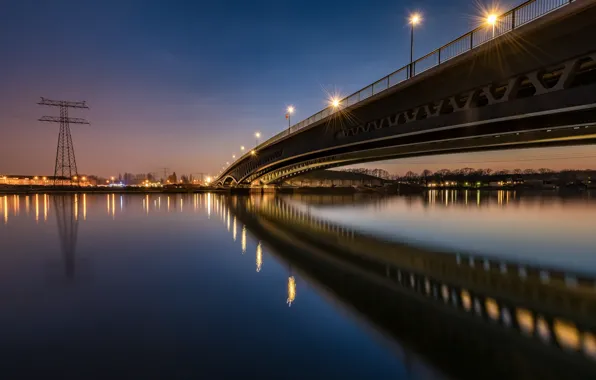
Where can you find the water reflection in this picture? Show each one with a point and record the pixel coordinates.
(449, 309)
(259, 256)
(66, 209)
(540, 303)
(291, 290)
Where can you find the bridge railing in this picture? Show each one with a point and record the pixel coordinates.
(506, 22)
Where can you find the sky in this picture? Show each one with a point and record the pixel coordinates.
(183, 84)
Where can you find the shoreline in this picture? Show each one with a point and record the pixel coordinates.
(403, 189)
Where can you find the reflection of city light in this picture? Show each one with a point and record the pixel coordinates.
(108, 202)
(113, 206)
(243, 239)
(84, 206)
(228, 220)
(27, 204)
(45, 207)
(234, 229)
(37, 207)
(76, 207)
(5, 209)
(291, 290)
(209, 205)
(259, 257)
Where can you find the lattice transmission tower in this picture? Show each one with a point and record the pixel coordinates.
(65, 169)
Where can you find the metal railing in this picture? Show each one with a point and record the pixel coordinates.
(506, 22)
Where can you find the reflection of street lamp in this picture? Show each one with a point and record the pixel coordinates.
(414, 20)
(491, 19)
(289, 117)
(291, 290)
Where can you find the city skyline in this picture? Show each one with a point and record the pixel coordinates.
(165, 90)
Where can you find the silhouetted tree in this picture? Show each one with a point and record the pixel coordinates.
(426, 174)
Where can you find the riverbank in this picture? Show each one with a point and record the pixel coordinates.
(106, 190)
(396, 188)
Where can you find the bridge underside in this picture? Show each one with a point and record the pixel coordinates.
(555, 137)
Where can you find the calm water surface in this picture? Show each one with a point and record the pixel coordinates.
(543, 229)
(158, 286)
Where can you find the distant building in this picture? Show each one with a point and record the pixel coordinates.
(30, 180)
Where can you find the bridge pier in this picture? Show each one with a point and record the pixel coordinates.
(263, 189)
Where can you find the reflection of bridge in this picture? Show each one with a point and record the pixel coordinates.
(534, 85)
(464, 314)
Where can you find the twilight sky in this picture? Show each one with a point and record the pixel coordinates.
(182, 84)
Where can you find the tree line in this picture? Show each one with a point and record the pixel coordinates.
(473, 175)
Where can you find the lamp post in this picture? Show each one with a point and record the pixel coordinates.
(289, 117)
(414, 20)
(257, 136)
(492, 20)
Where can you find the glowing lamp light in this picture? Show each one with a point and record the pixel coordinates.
(334, 102)
(253, 152)
(291, 110)
(258, 134)
(415, 19)
(242, 148)
(233, 156)
(491, 19)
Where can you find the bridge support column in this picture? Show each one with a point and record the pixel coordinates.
(263, 189)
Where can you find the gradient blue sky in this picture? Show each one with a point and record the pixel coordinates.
(183, 84)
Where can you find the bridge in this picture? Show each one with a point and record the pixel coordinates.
(529, 81)
(464, 314)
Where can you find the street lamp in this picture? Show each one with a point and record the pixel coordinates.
(258, 136)
(242, 148)
(414, 20)
(233, 156)
(334, 102)
(289, 116)
(491, 19)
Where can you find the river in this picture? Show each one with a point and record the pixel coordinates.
(214, 286)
